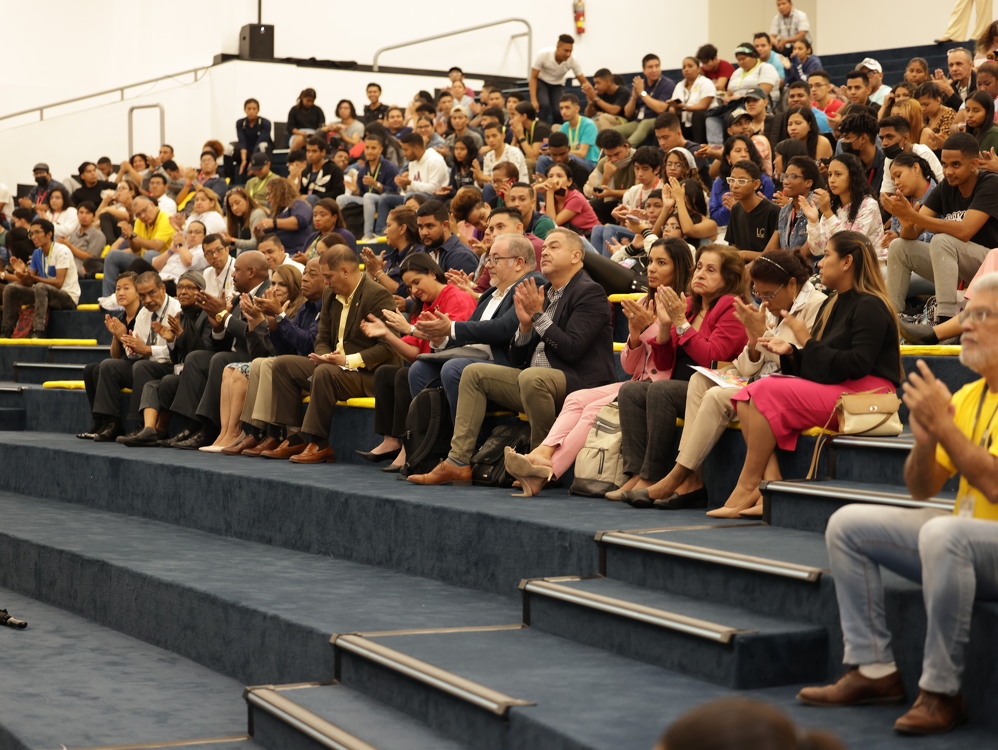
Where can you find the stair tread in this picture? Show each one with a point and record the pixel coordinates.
(589, 695)
(767, 542)
(367, 719)
(860, 488)
(317, 591)
(69, 681)
(728, 615)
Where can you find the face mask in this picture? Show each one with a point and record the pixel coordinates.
(892, 152)
(42, 181)
(848, 148)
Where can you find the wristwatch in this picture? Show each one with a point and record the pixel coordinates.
(535, 317)
(680, 330)
(220, 315)
(644, 93)
(280, 316)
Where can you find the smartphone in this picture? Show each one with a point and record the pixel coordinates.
(599, 189)
(632, 217)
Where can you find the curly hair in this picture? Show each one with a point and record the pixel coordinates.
(859, 188)
(281, 193)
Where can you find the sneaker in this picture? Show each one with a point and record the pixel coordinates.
(370, 237)
(109, 303)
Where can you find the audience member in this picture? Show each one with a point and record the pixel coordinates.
(499, 151)
(754, 225)
(183, 254)
(647, 167)
(375, 176)
(800, 179)
(912, 179)
(962, 214)
(402, 237)
(92, 186)
(150, 236)
(218, 279)
(951, 555)
(290, 216)
(695, 93)
(896, 139)
(260, 176)
(425, 174)
(563, 342)
(374, 110)
(521, 196)
(87, 242)
(321, 178)
(962, 81)
(980, 109)
(304, 119)
(801, 126)
(529, 133)
(57, 209)
(437, 239)
(789, 25)
(566, 206)
(820, 85)
(547, 77)
(242, 214)
(158, 192)
(938, 117)
(605, 100)
(39, 192)
(207, 178)
(114, 208)
(803, 62)
(737, 148)
(49, 281)
(252, 135)
(717, 70)
(326, 218)
(650, 94)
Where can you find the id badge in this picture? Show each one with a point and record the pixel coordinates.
(965, 505)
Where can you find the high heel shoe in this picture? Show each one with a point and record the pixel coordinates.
(377, 458)
(520, 468)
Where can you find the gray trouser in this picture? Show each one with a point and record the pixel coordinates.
(945, 261)
(42, 296)
(956, 560)
(648, 413)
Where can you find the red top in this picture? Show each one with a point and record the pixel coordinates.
(724, 70)
(456, 303)
(585, 218)
(720, 338)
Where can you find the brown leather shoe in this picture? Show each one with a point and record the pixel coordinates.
(246, 443)
(853, 689)
(444, 473)
(933, 713)
(315, 455)
(268, 444)
(285, 450)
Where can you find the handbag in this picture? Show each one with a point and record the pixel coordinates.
(868, 413)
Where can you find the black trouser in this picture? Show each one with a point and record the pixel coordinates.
(391, 400)
(648, 413)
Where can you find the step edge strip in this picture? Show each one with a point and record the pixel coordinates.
(467, 690)
(896, 443)
(835, 493)
(308, 723)
(705, 629)
(795, 571)
(164, 743)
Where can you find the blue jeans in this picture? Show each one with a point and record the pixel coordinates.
(604, 232)
(954, 558)
(544, 163)
(423, 373)
(117, 262)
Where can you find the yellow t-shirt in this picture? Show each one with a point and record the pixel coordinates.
(965, 401)
(161, 229)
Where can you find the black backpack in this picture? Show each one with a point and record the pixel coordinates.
(428, 432)
(488, 465)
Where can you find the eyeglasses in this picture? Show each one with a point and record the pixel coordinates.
(491, 260)
(789, 177)
(767, 296)
(187, 287)
(216, 251)
(738, 181)
(977, 314)
(817, 85)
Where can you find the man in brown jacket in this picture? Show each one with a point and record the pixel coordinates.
(342, 365)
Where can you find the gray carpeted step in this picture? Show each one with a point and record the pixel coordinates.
(90, 290)
(13, 418)
(84, 354)
(570, 696)
(732, 646)
(855, 458)
(297, 717)
(70, 682)
(78, 324)
(808, 505)
(259, 614)
(40, 372)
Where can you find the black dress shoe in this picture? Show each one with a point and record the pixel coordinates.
(391, 469)
(675, 501)
(376, 458)
(637, 498)
(178, 438)
(107, 433)
(918, 333)
(89, 434)
(129, 436)
(199, 439)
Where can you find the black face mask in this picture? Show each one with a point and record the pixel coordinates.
(893, 152)
(42, 181)
(848, 148)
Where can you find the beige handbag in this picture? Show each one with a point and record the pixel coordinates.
(867, 413)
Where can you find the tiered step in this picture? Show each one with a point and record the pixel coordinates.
(71, 682)
(40, 372)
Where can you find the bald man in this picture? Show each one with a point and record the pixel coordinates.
(200, 386)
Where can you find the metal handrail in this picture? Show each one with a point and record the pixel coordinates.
(131, 128)
(120, 90)
(525, 22)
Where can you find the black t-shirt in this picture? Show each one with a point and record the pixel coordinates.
(751, 231)
(91, 194)
(947, 203)
(619, 98)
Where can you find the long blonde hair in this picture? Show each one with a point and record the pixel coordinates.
(867, 279)
(911, 110)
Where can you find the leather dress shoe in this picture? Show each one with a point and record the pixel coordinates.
(391, 469)
(91, 433)
(637, 498)
(918, 333)
(676, 501)
(108, 433)
(376, 458)
(285, 450)
(933, 713)
(267, 444)
(180, 437)
(246, 443)
(853, 689)
(313, 454)
(444, 473)
(133, 433)
(142, 439)
(198, 440)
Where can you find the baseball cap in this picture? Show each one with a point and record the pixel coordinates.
(259, 159)
(870, 64)
(756, 93)
(737, 115)
(460, 108)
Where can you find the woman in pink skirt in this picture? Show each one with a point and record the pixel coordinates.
(853, 347)
(670, 264)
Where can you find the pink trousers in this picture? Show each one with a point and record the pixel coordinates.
(568, 433)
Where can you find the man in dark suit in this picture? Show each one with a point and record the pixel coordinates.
(563, 341)
(490, 328)
(342, 365)
(200, 386)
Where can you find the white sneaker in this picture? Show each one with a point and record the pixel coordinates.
(109, 303)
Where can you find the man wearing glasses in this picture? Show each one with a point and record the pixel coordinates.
(953, 555)
(218, 280)
(48, 282)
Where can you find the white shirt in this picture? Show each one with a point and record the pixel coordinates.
(213, 221)
(288, 261)
(219, 284)
(65, 222)
(790, 24)
(743, 80)
(511, 154)
(553, 72)
(701, 88)
(143, 327)
(487, 314)
(61, 256)
(636, 195)
(167, 205)
(919, 149)
(428, 174)
(174, 267)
